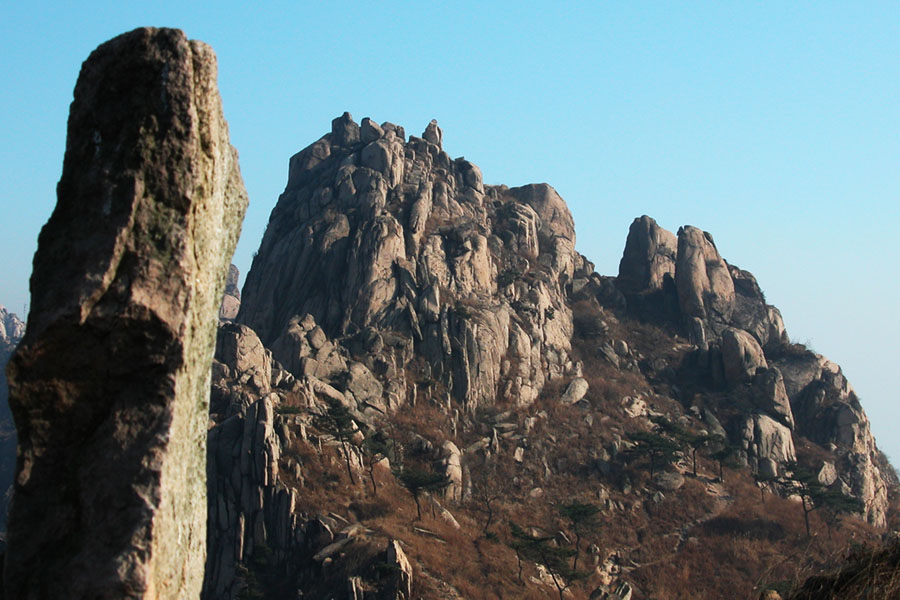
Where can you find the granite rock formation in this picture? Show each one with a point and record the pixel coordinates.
(393, 282)
(109, 386)
(742, 341)
(378, 238)
(231, 299)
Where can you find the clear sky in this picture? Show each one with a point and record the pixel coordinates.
(773, 125)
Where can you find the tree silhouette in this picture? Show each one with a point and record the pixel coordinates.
(815, 495)
(660, 451)
(725, 454)
(417, 481)
(539, 550)
(337, 421)
(683, 437)
(582, 518)
(376, 447)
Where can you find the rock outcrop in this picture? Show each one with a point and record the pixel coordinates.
(231, 299)
(711, 296)
(378, 238)
(828, 412)
(649, 257)
(743, 343)
(110, 385)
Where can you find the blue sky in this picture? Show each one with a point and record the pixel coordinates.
(773, 125)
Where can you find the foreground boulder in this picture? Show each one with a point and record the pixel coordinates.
(109, 387)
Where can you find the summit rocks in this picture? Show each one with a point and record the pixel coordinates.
(377, 236)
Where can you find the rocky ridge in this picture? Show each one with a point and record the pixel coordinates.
(742, 342)
(391, 279)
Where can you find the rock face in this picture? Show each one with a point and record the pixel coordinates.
(705, 287)
(827, 411)
(649, 257)
(379, 238)
(742, 341)
(109, 387)
(11, 328)
(231, 299)
(741, 355)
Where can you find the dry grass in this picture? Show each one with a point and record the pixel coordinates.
(691, 544)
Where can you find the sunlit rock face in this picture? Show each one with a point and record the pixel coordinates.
(378, 236)
(110, 385)
(743, 342)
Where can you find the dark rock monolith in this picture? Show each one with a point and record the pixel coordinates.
(110, 385)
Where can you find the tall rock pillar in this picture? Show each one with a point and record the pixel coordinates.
(109, 387)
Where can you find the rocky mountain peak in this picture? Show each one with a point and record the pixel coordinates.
(376, 235)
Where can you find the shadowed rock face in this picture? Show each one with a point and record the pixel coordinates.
(109, 387)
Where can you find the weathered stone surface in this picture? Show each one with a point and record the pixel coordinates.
(452, 461)
(403, 575)
(110, 385)
(231, 300)
(764, 438)
(238, 347)
(741, 355)
(575, 391)
(668, 480)
(827, 411)
(771, 396)
(377, 235)
(11, 327)
(649, 257)
(705, 288)
(433, 133)
(752, 314)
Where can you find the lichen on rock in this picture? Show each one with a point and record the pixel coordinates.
(110, 385)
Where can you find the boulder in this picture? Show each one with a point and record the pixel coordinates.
(402, 579)
(452, 461)
(649, 257)
(765, 438)
(668, 481)
(369, 131)
(704, 284)
(741, 355)
(433, 133)
(575, 391)
(110, 386)
(770, 395)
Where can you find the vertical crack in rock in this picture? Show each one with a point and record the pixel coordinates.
(110, 385)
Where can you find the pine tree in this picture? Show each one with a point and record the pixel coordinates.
(417, 481)
(337, 421)
(582, 518)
